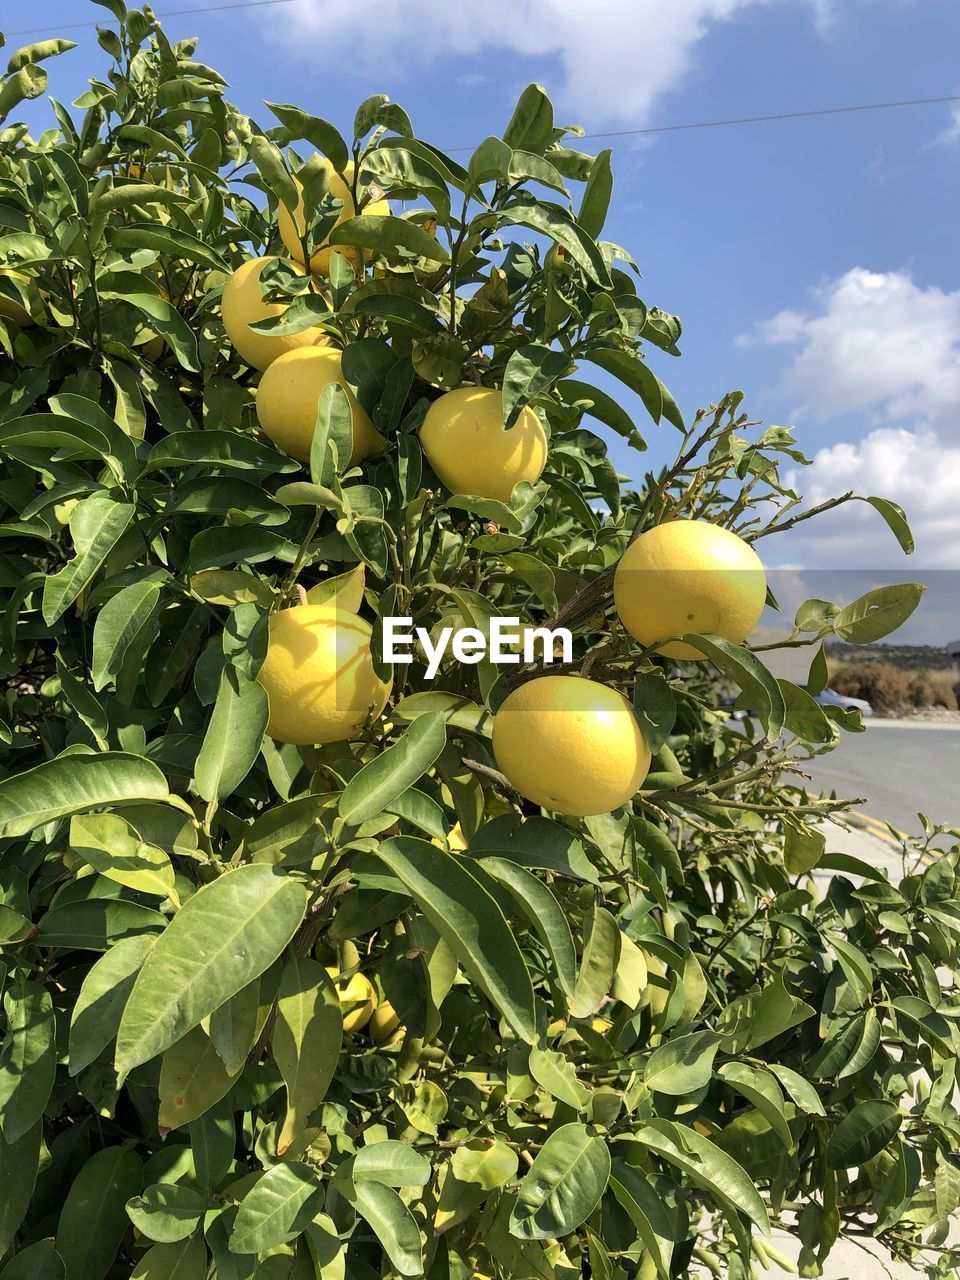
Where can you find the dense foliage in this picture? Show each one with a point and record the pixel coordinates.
(628, 1044)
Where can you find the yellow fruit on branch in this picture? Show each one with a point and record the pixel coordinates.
(689, 576)
(319, 676)
(289, 395)
(571, 745)
(384, 1023)
(357, 996)
(242, 305)
(292, 225)
(463, 438)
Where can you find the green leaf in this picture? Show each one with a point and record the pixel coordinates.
(217, 448)
(384, 234)
(896, 519)
(96, 1014)
(804, 716)
(598, 964)
(596, 195)
(683, 1064)
(553, 221)
(470, 921)
(800, 1090)
(233, 1028)
(707, 1166)
(226, 935)
(760, 1088)
(531, 125)
(28, 1061)
(118, 626)
(563, 1186)
(555, 1073)
(388, 775)
(655, 707)
(753, 1019)
(395, 1164)
(168, 240)
(167, 1212)
(490, 162)
(319, 133)
(760, 690)
(184, 1261)
(113, 848)
(597, 404)
(93, 1220)
(639, 377)
(73, 784)
(193, 1079)
(232, 741)
(38, 1261)
(862, 1134)
(307, 1036)
(332, 443)
(277, 1208)
(475, 1169)
(167, 320)
(19, 1164)
(96, 524)
(544, 913)
(802, 847)
(874, 615)
(647, 1211)
(31, 53)
(393, 1224)
(530, 370)
(213, 1139)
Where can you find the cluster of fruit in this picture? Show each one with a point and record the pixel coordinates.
(565, 742)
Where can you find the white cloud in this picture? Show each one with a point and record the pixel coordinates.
(950, 136)
(877, 340)
(615, 58)
(880, 345)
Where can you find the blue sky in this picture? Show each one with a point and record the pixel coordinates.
(814, 263)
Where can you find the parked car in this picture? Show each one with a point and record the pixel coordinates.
(830, 698)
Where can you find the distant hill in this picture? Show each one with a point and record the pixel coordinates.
(906, 657)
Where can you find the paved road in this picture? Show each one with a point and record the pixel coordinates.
(900, 767)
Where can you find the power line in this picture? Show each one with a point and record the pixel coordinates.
(167, 13)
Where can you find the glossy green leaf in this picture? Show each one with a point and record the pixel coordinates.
(28, 1058)
(543, 912)
(388, 776)
(74, 784)
(184, 1261)
(862, 1133)
(99, 1006)
(563, 1185)
(393, 1163)
(19, 1165)
(470, 921)
(874, 615)
(682, 1064)
(167, 1212)
(277, 1209)
(96, 523)
(193, 1079)
(306, 1042)
(598, 964)
(226, 935)
(393, 1224)
(232, 741)
(119, 624)
(93, 1219)
(38, 1261)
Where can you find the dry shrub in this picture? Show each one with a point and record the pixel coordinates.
(890, 690)
(883, 686)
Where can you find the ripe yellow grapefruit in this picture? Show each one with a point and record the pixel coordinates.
(689, 576)
(289, 395)
(571, 745)
(357, 996)
(243, 305)
(292, 225)
(463, 438)
(384, 1024)
(319, 676)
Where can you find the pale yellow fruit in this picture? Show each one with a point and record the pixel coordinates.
(292, 226)
(9, 307)
(689, 576)
(384, 1024)
(242, 305)
(571, 745)
(463, 438)
(319, 676)
(357, 996)
(288, 397)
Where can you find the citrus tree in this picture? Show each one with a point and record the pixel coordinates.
(315, 966)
